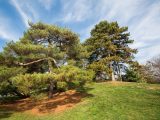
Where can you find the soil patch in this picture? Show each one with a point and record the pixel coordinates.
(59, 102)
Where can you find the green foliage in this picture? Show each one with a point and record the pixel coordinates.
(132, 76)
(66, 76)
(42, 49)
(6, 88)
(136, 73)
(107, 45)
(6, 73)
(32, 83)
(73, 75)
(62, 38)
(62, 86)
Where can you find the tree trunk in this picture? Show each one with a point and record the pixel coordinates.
(113, 77)
(118, 71)
(50, 68)
(53, 83)
(112, 74)
(51, 89)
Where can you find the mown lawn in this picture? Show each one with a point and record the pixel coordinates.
(107, 101)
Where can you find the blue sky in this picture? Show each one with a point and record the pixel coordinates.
(141, 16)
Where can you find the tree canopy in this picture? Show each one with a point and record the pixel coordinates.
(41, 52)
(108, 46)
(49, 58)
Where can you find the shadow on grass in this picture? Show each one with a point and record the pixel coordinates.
(5, 113)
(59, 102)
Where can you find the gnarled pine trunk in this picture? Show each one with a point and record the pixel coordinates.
(52, 83)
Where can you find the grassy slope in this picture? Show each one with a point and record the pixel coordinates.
(127, 101)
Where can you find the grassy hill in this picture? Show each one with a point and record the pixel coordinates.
(106, 101)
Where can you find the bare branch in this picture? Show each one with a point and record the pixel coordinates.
(36, 61)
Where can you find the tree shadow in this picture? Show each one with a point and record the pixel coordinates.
(59, 102)
(5, 113)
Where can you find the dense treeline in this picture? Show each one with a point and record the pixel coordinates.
(49, 58)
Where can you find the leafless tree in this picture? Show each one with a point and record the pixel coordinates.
(153, 68)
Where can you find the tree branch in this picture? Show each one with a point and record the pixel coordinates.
(36, 61)
(29, 63)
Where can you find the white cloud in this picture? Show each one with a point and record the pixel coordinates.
(120, 10)
(147, 53)
(140, 16)
(78, 10)
(47, 4)
(21, 12)
(26, 10)
(6, 31)
(112, 10)
(146, 31)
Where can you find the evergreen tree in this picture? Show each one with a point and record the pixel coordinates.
(108, 47)
(43, 49)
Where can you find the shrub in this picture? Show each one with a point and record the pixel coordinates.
(73, 76)
(32, 83)
(133, 76)
(66, 77)
(6, 73)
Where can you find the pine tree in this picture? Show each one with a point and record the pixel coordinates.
(108, 47)
(43, 48)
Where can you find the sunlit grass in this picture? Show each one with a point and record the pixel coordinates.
(108, 101)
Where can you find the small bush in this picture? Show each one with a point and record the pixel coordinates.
(32, 83)
(66, 77)
(74, 76)
(133, 76)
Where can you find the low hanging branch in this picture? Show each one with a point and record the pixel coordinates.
(29, 63)
(36, 61)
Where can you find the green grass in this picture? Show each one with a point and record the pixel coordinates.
(127, 101)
